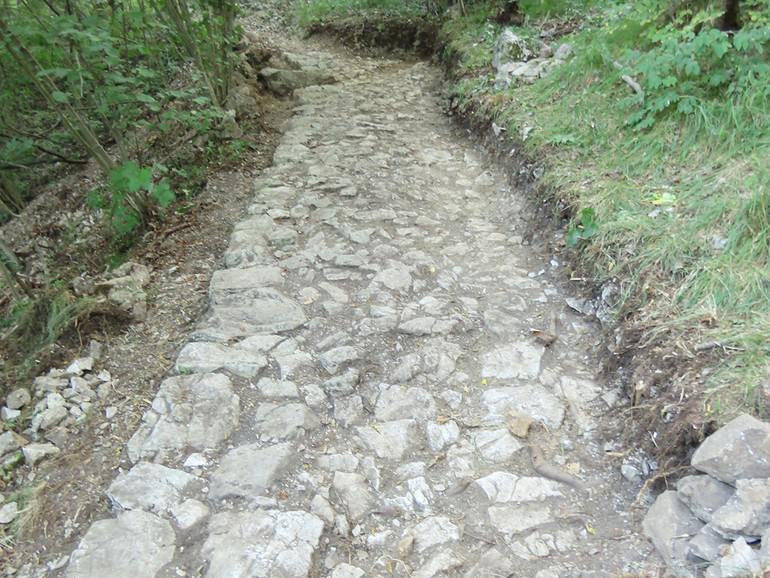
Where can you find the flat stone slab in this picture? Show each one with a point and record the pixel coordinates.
(244, 278)
(196, 411)
(434, 531)
(353, 491)
(504, 487)
(152, 487)
(237, 314)
(247, 471)
(514, 519)
(207, 357)
(262, 544)
(414, 403)
(134, 544)
(290, 421)
(513, 361)
(248, 242)
(531, 400)
(388, 439)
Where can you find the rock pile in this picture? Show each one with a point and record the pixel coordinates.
(122, 288)
(719, 521)
(63, 397)
(515, 58)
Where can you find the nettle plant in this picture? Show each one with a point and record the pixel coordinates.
(683, 58)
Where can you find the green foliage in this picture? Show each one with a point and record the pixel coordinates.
(586, 229)
(683, 60)
(82, 78)
(308, 11)
(536, 9)
(128, 183)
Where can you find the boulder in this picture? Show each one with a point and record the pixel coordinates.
(704, 495)
(510, 47)
(740, 449)
(747, 512)
(670, 525)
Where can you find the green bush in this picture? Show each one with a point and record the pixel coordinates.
(684, 61)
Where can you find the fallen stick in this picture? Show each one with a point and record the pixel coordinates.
(635, 86)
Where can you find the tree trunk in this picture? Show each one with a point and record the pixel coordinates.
(731, 16)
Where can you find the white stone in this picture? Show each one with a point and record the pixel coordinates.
(261, 543)
(434, 531)
(513, 361)
(190, 513)
(33, 453)
(135, 544)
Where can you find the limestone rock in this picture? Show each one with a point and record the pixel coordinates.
(397, 403)
(703, 495)
(514, 519)
(9, 512)
(48, 418)
(504, 487)
(151, 487)
(343, 570)
(205, 357)
(18, 398)
(708, 544)
(531, 400)
(284, 82)
(190, 513)
(515, 361)
(439, 564)
(198, 411)
(388, 439)
(135, 544)
(279, 422)
(511, 47)
(244, 278)
(747, 512)
(740, 560)
(740, 449)
(10, 441)
(670, 525)
(261, 543)
(434, 531)
(354, 493)
(335, 358)
(244, 312)
(33, 453)
(764, 550)
(496, 446)
(238, 476)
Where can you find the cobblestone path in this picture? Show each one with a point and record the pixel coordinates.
(360, 399)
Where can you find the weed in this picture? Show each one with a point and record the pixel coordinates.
(583, 231)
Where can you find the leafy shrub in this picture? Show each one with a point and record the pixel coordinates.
(684, 60)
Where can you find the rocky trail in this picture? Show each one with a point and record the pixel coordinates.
(366, 395)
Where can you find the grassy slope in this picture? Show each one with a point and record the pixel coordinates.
(682, 208)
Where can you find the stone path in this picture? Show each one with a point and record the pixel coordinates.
(358, 400)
